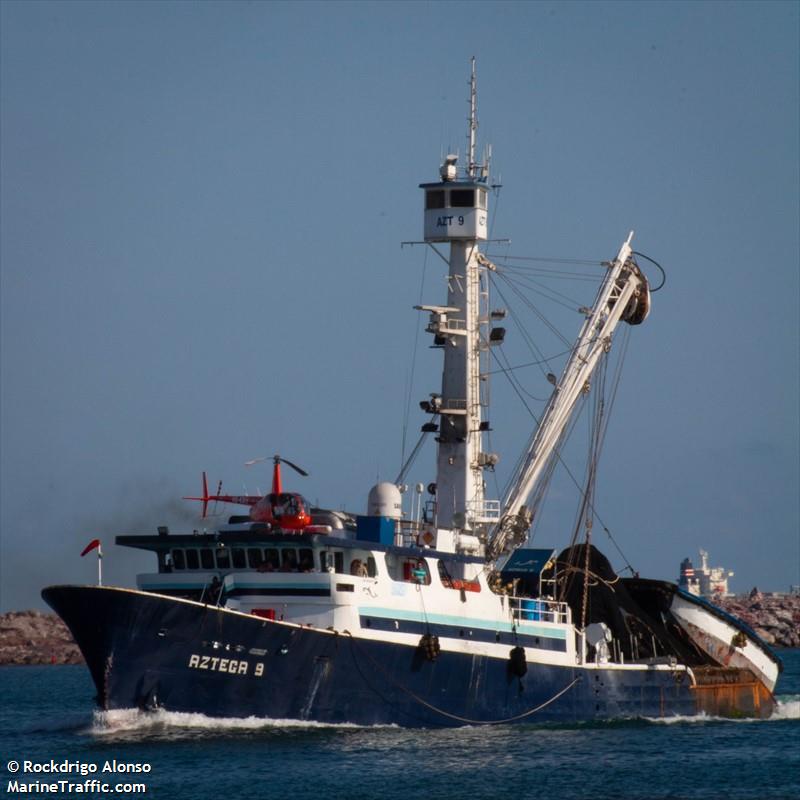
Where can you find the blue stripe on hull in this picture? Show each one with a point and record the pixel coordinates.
(143, 650)
(463, 632)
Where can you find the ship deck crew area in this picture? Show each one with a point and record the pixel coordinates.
(370, 589)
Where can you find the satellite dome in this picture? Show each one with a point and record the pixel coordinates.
(385, 501)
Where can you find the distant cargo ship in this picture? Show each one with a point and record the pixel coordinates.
(704, 581)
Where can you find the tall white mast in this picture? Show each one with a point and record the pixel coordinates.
(456, 211)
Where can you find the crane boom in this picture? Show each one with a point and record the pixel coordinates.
(623, 296)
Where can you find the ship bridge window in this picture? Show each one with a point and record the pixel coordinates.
(481, 198)
(459, 575)
(462, 198)
(272, 559)
(292, 559)
(358, 567)
(363, 565)
(237, 558)
(288, 559)
(255, 558)
(207, 558)
(192, 560)
(306, 563)
(444, 576)
(408, 570)
(333, 559)
(434, 198)
(178, 560)
(223, 558)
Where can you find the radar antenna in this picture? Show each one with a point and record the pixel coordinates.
(472, 166)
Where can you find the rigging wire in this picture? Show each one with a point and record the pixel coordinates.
(518, 292)
(509, 373)
(555, 272)
(557, 456)
(545, 291)
(616, 381)
(413, 365)
(540, 357)
(546, 260)
(551, 275)
(598, 430)
(410, 461)
(530, 363)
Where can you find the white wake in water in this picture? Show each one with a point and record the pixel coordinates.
(788, 707)
(135, 722)
(132, 720)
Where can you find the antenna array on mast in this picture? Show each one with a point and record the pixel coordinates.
(472, 133)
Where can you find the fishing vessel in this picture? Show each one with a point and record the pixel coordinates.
(448, 616)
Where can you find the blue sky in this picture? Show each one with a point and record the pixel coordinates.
(202, 210)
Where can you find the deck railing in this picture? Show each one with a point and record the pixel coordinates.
(537, 609)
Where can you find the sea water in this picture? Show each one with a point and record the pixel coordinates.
(47, 719)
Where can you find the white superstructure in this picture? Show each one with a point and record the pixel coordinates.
(704, 581)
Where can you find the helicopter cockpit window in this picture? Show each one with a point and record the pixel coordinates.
(285, 504)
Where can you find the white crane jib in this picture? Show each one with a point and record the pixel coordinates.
(623, 296)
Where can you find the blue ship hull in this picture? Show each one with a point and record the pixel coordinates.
(151, 651)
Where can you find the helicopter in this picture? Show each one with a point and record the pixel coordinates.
(285, 510)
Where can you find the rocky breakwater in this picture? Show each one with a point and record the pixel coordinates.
(774, 617)
(33, 637)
